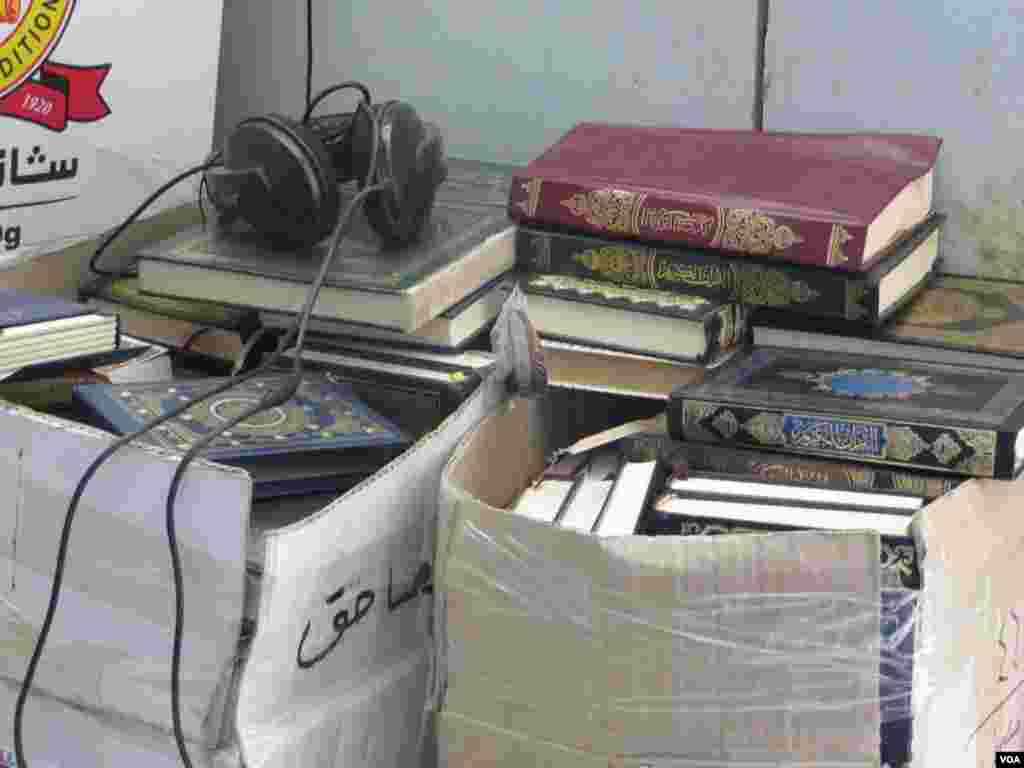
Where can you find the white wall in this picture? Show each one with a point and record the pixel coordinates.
(503, 79)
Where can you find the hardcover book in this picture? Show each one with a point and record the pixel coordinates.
(704, 460)
(37, 329)
(451, 331)
(866, 297)
(418, 390)
(638, 320)
(596, 369)
(863, 408)
(466, 244)
(834, 200)
(965, 315)
(324, 438)
(676, 514)
(125, 292)
(953, 319)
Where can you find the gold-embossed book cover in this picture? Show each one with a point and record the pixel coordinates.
(863, 407)
(323, 434)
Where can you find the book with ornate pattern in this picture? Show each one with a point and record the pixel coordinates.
(834, 200)
(866, 297)
(685, 327)
(705, 460)
(324, 438)
(865, 408)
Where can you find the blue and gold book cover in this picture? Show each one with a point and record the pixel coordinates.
(868, 408)
(324, 415)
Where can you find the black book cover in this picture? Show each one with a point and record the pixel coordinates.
(418, 394)
(789, 288)
(727, 462)
(899, 562)
(858, 407)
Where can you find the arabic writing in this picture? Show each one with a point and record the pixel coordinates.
(348, 617)
(1010, 677)
(32, 169)
(1010, 670)
(835, 435)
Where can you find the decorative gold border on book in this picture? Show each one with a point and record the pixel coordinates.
(749, 231)
(983, 441)
(839, 238)
(618, 210)
(620, 264)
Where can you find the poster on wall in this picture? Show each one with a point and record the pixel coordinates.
(100, 104)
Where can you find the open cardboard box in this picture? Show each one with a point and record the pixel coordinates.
(362, 703)
(557, 648)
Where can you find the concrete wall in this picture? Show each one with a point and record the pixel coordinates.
(503, 79)
(506, 79)
(953, 69)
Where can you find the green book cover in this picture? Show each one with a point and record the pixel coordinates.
(125, 291)
(964, 313)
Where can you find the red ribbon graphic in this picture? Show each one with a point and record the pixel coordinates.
(62, 94)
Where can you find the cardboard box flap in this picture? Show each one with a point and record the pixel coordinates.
(740, 650)
(344, 618)
(110, 644)
(969, 686)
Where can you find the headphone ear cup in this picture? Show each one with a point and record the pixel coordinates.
(410, 160)
(296, 204)
(324, 167)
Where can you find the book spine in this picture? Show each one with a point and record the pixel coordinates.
(819, 293)
(679, 219)
(831, 474)
(966, 451)
(898, 561)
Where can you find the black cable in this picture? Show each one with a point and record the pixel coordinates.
(309, 53)
(347, 85)
(199, 202)
(213, 163)
(272, 399)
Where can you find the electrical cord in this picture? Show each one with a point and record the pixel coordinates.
(105, 243)
(296, 336)
(309, 52)
(343, 86)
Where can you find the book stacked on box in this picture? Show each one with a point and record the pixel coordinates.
(396, 323)
(644, 245)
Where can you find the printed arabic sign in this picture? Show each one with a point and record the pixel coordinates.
(62, 93)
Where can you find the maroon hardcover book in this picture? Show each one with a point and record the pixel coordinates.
(827, 199)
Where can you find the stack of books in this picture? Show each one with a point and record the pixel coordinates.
(400, 325)
(642, 246)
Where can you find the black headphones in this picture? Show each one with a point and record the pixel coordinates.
(281, 176)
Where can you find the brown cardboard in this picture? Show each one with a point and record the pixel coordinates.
(969, 682)
(561, 648)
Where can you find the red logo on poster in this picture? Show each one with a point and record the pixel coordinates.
(32, 86)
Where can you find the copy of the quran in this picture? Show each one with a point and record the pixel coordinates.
(944, 418)
(644, 321)
(834, 200)
(952, 319)
(323, 439)
(867, 297)
(769, 467)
